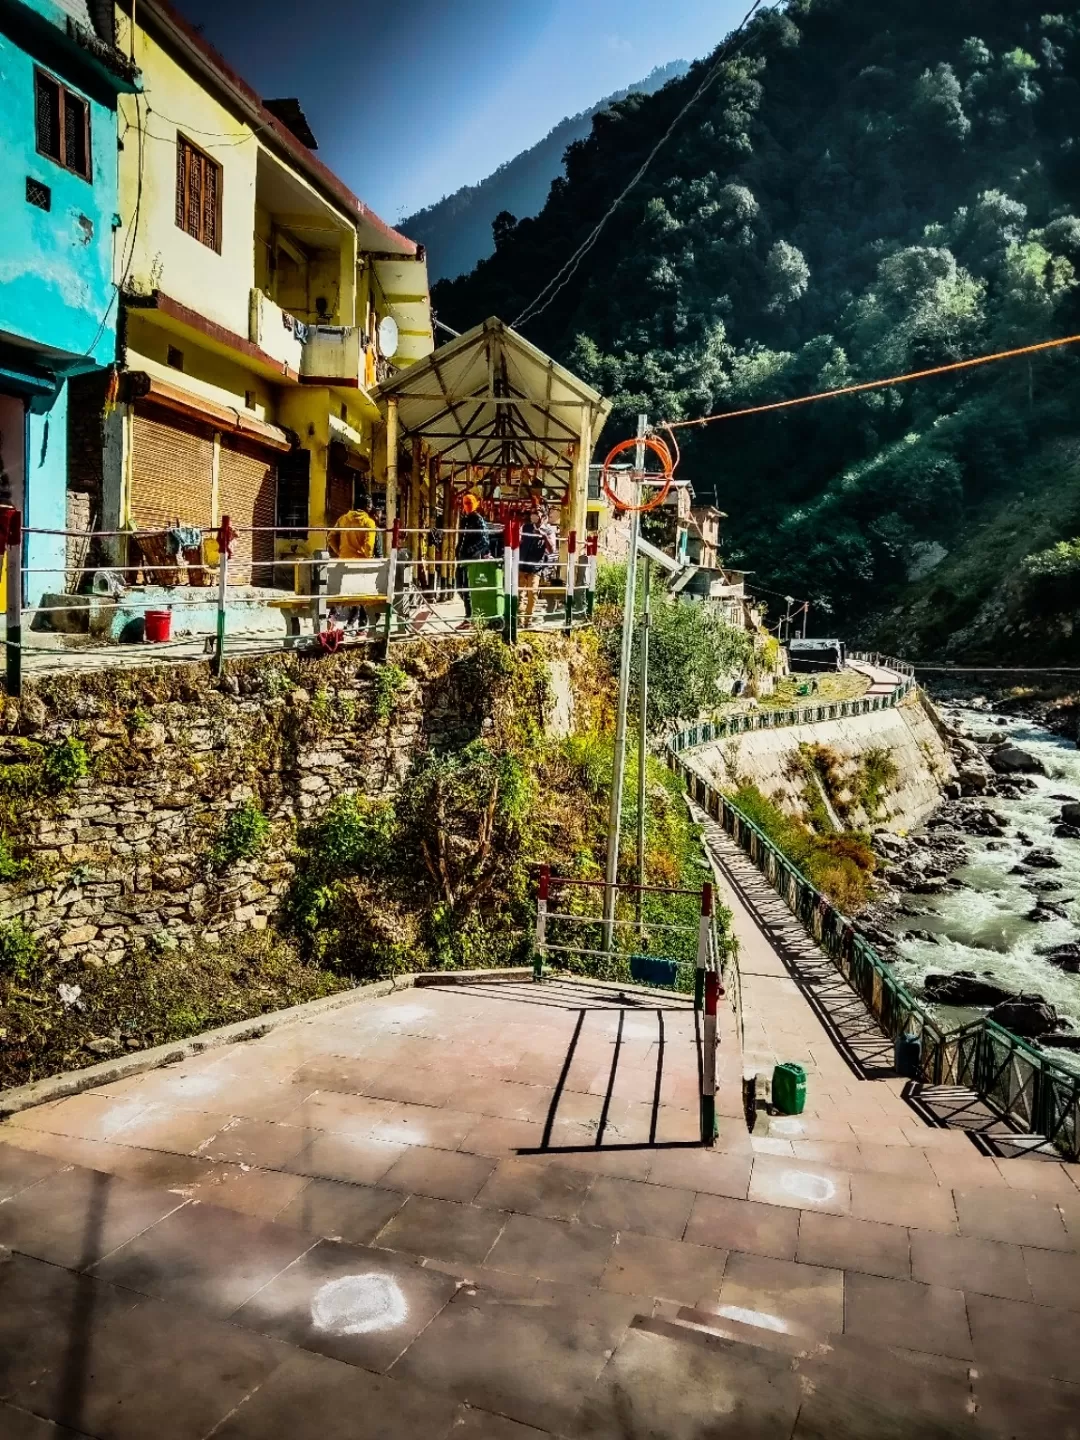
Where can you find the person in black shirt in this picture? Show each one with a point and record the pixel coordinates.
(473, 544)
(534, 558)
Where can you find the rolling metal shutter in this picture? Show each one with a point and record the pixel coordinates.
(172, 472)
(248, 490)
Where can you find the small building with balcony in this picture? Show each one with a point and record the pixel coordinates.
(253, 287)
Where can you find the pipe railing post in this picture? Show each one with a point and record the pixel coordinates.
(591, 546)
(709, 968)
(13, 550)
(391, 584)
(571, 577)
(511, 579)
(225, 537)
(541, 922)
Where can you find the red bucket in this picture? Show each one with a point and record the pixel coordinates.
(158, 625)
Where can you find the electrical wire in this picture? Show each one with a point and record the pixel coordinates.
(130, 242)
(876, 384)
(562, 277)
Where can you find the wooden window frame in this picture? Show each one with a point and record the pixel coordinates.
(183, 195)
(62, 158)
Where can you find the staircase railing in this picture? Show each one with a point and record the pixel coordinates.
(1014, 1079)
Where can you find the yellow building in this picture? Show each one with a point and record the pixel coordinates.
(254, 286)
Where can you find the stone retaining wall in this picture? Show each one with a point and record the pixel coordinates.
(124, 855)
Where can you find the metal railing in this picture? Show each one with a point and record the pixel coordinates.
(661, 936)
(1015, 1080)
(228, 589)
(706, 732)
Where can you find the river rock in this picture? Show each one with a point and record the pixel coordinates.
(1044, 887)
(1025, 1015)
(1063, 957)
(1066, 832)
(964, 988)
(1046, 910)
(926, 935)
(1009, 759)
(1059, 1040)
(974, 779)
(1070, 813)
(1042, 859)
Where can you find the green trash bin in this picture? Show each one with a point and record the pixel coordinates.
(789, 1088)
(486, 587)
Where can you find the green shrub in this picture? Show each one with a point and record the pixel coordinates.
(878, 774)
(65, 763)
(1051, 578)
(390, 681)
(10, 867)
(19, 950)
(243, 834)
(840, 865)
(354, 836)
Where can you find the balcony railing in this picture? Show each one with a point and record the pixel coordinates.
(335, 353)
(275, 332)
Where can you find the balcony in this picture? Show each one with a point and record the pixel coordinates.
(335, 355)
(274, 331)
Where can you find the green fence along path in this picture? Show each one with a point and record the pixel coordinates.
(1014, 1079)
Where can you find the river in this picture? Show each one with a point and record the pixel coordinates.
(983, 926)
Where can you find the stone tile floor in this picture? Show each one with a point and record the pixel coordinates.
(480, 1210)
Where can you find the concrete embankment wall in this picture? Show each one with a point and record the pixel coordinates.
(769, 759)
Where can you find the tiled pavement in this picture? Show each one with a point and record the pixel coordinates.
(480, 1211)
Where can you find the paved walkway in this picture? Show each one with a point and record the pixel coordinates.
(481, 1211)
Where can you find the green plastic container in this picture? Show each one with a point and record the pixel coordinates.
(789, 1088)
(487, 602)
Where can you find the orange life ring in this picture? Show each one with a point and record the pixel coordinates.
(654, 444)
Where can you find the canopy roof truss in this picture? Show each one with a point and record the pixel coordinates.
(492, 400)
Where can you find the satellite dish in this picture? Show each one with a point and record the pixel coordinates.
(388, 337)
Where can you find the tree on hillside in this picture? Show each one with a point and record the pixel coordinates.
(866, 189)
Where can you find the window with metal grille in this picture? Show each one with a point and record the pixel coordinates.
(38, 194)
(62, 124)
(198, 194)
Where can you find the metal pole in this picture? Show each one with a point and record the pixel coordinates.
(591, 542)
(708, 970)
(643, 733)
(391, 584)
(225, 539)
(14, 551)
(541, 922)
(571, 579)
(619, 759)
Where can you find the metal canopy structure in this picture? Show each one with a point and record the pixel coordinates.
(490, 405)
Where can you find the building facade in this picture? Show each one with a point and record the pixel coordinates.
(62, 75)
(253, 286)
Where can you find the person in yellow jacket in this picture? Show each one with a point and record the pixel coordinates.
(353, 537)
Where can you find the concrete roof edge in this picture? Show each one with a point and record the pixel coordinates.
(188, 39)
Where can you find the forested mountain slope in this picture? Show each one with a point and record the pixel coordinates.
(457, 229)
(872, 186)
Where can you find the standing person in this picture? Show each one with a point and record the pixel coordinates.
(532, 558)
(473, 544)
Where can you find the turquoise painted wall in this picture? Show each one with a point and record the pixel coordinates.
(58, 310)
(46, 493)
(55, 266)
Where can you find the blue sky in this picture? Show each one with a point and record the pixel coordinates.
(411, 100)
